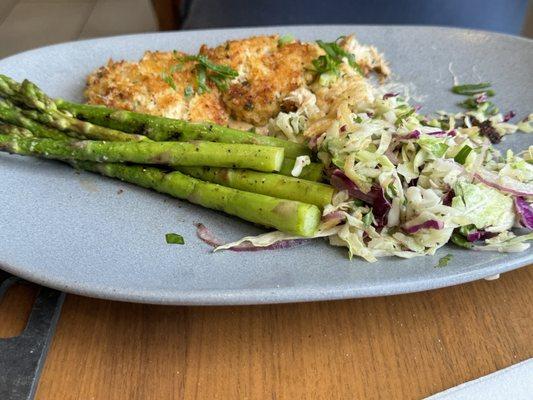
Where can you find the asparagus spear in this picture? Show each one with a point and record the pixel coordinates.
(261, 158)
(311, 172)
(31, 96)
(285, 215)
(7, 129)
(274, 185)
(13, 115)
(162, 129)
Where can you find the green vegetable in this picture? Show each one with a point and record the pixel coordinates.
(463, 154)
(470, 89)
(433, 145)
(189, 91)
(7, 129)
(285, 39)
(262, 158)
(368, 218)
(460, 240)
(444, 261)
(208, 71)
(174, 238)
(11, 114)
(483, 206)
(289, 216)
(328, 65)
(31, 96)
(168, 80)
(162, 129)
(274, 185)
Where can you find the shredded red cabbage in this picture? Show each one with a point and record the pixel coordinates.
(380, 206)
(508, 116)
(207, 237)
(376, 197)
(479, 234)
(388, 95)
(340, 181)
(448, 197)
(338, 215)
(411, 135)
(490, 180)
(429, 224)
(525, 211)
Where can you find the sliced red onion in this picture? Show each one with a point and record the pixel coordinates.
(380, 206)
(207, 237)
(452, 133)
(417, 107)
(516, 188)
(339, 180)
(388, 95)
(429, 224)
(509, 116)
(525, 211)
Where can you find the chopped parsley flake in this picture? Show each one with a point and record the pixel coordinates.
(444, 261)
(463, 154)
(174, 238)
(328, 65)
(206, 71)
(285, 39)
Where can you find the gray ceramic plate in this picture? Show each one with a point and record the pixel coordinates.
(74, 231)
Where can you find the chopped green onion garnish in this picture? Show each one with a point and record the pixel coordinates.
(443, 261)
(174, 238)
(168, 80)
(201, 79)
(189, 91)
(206, 70)
(463, 154)
(285, 39)
(470, 89)
(327, 66)
(460, 240)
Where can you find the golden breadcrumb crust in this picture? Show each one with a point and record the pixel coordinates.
(139, 86)
(268, 72)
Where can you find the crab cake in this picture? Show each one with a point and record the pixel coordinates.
(268, 72)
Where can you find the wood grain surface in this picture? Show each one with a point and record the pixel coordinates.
(400, 347)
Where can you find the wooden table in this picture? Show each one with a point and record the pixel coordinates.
(400, 347)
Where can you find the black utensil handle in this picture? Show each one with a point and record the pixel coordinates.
(22, 357)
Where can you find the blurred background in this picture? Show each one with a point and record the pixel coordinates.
(25, 24)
